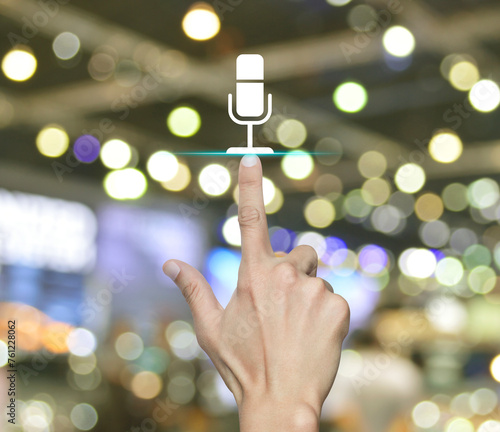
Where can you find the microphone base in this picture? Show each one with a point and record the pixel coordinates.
(249, 150)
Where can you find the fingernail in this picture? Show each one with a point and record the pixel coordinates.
(171, 270)
(249, 160)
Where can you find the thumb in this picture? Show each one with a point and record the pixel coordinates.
(204, 306)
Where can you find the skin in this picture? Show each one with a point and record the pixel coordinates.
(277, 344)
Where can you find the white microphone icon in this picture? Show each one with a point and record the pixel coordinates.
(250, 100)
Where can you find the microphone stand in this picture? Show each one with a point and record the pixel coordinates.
(250, 149)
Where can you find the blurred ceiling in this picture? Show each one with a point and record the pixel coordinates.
(303, 43)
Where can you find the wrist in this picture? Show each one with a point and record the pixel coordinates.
(264, 414)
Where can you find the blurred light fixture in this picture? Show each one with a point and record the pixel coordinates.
(66, 45)
(184, 122)
(162, 166)
(435, 233)
(429, 207)
(417, 263)
(102, 65)
(3, 353)
(81, 342)
(410, 178)
(125, 184)
(338, 2)
(376, 191)
(201, 22)
(319, 212)
(214, 179)
(276, 203)
(445, 147)
(489, 426)
(52, 141)
(463, 75)
(328, 151)
(146, 385)
(86, 148)
(356, 205)
(455, 197)
(483, 193)
(449, 271)
(350, 97)
(459, 424)
(116, 154)
(388, 219)
(180, 181)
(485, 96)
(495, 368)
(398, 41)
(425, 414)
(297, 164)
(483, 401)
(291, 133)
(231, 231)
(372, 164)
(19, 64)
(372, 259)
(84, 416)
(129, 346)
(482, 279)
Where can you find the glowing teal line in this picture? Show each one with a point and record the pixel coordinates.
(275, 154)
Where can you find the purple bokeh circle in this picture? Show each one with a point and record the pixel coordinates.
(87, 148)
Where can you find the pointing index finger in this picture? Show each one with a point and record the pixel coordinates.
(251, 210)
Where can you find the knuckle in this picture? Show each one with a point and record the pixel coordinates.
(192, 292)
(309, 251)
(249, 215)
(342, 313)
(286, 272)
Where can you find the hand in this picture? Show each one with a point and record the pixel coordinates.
(277, 344)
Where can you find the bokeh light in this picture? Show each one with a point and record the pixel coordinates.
(81, 342)
(455, 197)
(425, 414)
(485, 96)
(410, 178)
(125, 184)
(184, 121)
(445, 147)
(297, 164)
(372, 164)
(463, 75)
(495, 368)
(146, 385)
(449, 271)
(162, 166)
(180, 181)
(86, 148)
(483, 193)
(417, 263)
(482, 279)
(291, 133)
(398, 41)
(116, 154)
(231, 231)
(201, 22)
(84, 416)
(429, 207)
(319, 212)
(372, 259)
(214, 179)
(66, 45)
(338, 2)
(129, 346)
(483, 401)
(376, 191)
(350, 97)
(52, 141)
(459, 425)
(19, 64)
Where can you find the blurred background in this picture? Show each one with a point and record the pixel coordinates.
(113, 128)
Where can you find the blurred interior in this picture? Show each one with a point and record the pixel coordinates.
(113, 132)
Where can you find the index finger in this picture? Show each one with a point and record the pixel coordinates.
(251, 210)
